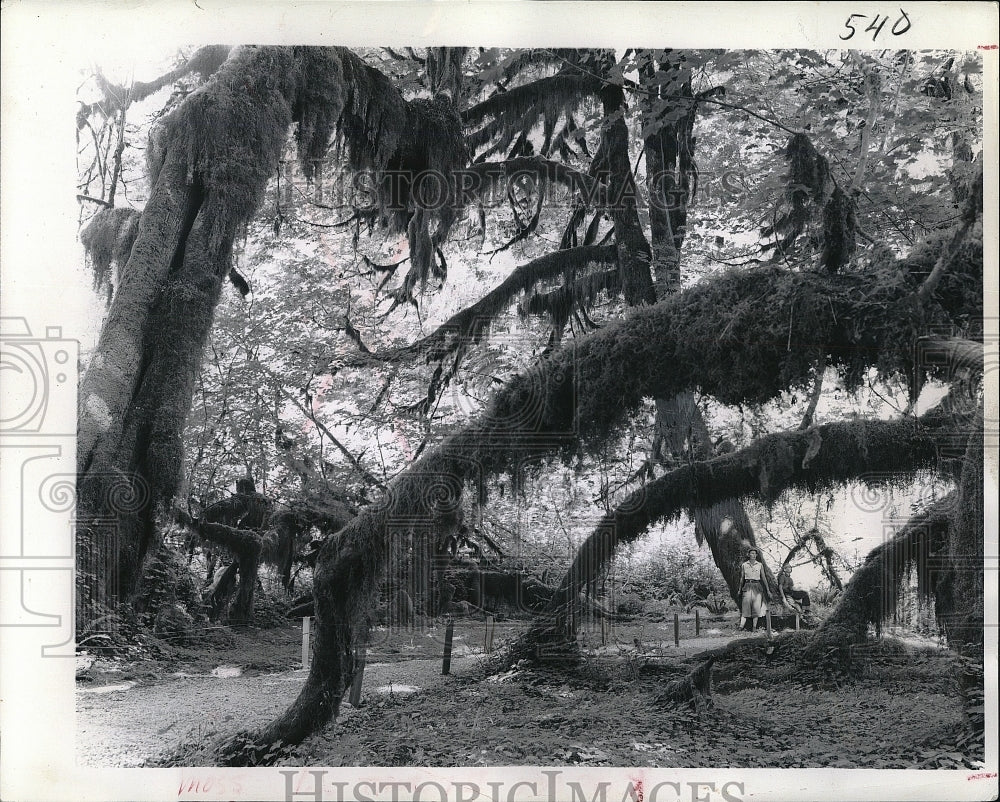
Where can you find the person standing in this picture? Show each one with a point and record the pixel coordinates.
(753, 590)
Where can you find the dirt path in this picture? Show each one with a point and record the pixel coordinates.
(125, 724)
(902, 712)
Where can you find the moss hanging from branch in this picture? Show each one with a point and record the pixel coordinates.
(581, 293)
(718, 336)
(108, 239)
(840, 227)
(469, 325)
(808, 184)
(205, 61)
(518, 110)
(413, 149)
(444, 70)
(210, 160)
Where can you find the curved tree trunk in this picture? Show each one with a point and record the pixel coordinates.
(944, 545)
(775, 463)
(248, 546)
(872, 593)
(963, 618)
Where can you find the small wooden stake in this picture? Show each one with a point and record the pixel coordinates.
(677, 630)
(796, 620)
(490, 628)
(306, 635)
(697, 622)
(449, 633)
(359, 673)
(767, 619)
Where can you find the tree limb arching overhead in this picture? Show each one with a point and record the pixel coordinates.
(873, 452)
(578, 395)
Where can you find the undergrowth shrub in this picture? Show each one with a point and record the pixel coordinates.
(629, 604)
(271, 603)
(680, 578)
(170, 603)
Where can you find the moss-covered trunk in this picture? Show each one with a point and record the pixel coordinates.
(963, 622)
(129, 431)
(943, 548)
(210, 160)
(871, 595)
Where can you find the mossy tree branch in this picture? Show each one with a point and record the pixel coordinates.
(875, 452)
(470, 324)
(872, 593)
(582, 392)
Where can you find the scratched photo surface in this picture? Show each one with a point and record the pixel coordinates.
(562, 407)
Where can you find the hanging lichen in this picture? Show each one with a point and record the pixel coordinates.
(514, 113)
(108, 239)
(806, 188)
(839, 231)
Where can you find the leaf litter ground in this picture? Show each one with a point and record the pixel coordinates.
(901, 707)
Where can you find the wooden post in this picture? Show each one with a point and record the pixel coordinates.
(767, 619)
(490, 628)
(306, 636)
(796, 620)
(359, 673)
(677, 630)
(449, 633)
(697, 622)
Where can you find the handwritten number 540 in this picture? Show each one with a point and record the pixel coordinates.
(899, 27)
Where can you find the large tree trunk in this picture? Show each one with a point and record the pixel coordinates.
(680, 425)
(630, 241)
(209, 171)
(116, 493)
(725, 526)
(668, 147)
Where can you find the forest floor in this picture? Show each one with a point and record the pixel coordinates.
(902, 709)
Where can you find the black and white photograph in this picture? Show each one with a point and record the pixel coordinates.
(499, 401)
